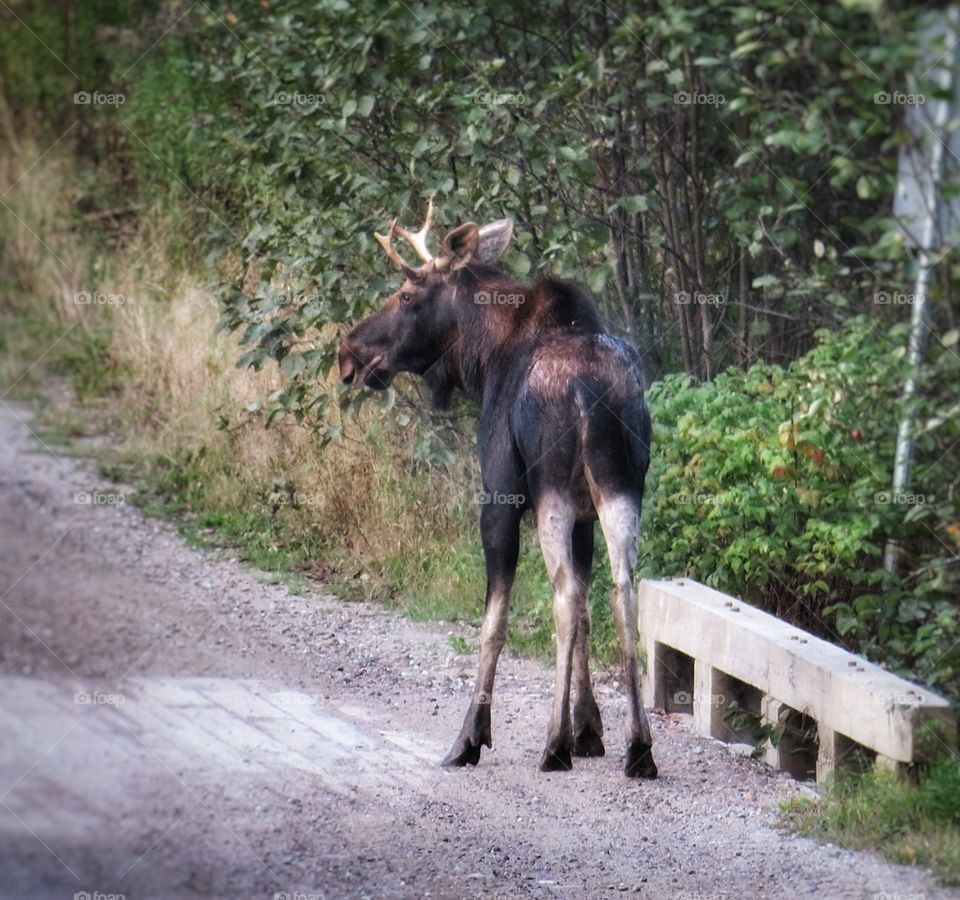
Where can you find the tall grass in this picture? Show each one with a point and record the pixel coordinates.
(41, 271)
(907, 822)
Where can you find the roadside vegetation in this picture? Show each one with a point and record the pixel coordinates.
(185, 258)
(917, 824)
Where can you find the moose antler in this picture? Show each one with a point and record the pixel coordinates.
(386, 241)
(417, 239)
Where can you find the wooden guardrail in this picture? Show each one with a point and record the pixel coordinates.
(726, 662)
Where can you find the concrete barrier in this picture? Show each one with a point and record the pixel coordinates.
(707, 651)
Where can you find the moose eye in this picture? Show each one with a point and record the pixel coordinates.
(406, 299)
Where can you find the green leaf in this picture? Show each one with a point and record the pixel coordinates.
(634, 203)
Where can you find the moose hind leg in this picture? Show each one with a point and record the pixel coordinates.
(500, 530)
(587, 724)
(620, 521)
(555, 521)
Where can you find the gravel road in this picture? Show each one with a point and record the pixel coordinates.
(175, 727)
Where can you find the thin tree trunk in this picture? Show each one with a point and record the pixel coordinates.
(743, 324)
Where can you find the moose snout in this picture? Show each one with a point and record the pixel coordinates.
(349, 363)
(359, 365)
(351, 359)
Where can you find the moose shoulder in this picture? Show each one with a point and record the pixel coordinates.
(564, 431)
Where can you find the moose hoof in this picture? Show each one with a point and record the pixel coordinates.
(640, 762)
(463, 753)
(556, 760)
(587, 742)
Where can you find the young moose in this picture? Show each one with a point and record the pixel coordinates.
(564, 431)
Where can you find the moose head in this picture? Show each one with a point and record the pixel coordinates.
(418, 325)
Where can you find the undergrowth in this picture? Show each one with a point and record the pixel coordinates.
(907, 821)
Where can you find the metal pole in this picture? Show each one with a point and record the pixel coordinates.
(919, 316)
(904, 452)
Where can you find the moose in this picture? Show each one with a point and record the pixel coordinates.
(564, 431)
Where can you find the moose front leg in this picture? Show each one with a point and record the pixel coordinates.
(500, 531)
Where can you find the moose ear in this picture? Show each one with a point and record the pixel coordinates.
(494, 240)
(459, 247)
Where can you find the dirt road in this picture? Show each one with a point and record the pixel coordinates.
(174, 727)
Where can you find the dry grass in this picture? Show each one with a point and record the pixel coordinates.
(41, 258)
(150, 368)
(171, 380)
(181, 398)
(42, 265)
